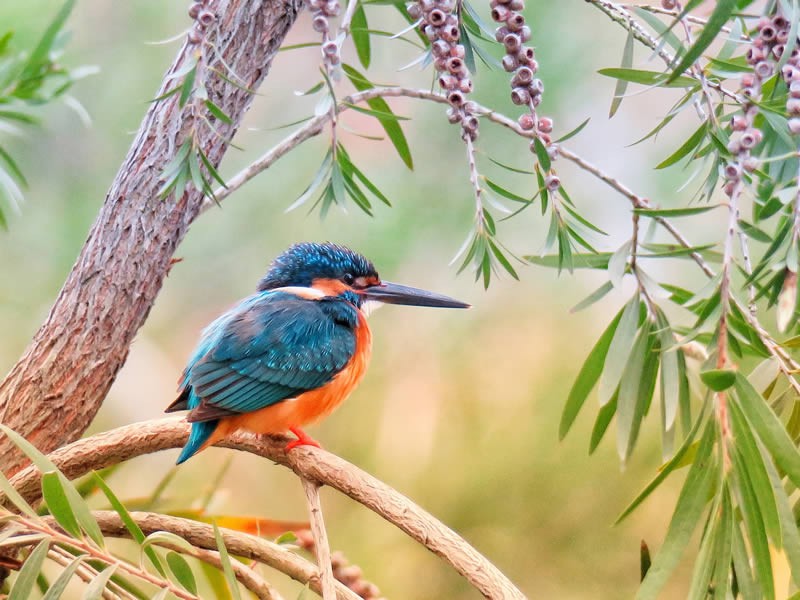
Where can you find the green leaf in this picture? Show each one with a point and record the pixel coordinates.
(660, 28)
(573, 132)
(390, 126)
(597, 260)
(595, 296)
(741, 564)
(670, 373)
(378, 114)
(790, 534)
(718, 380)
(187, 87)
(619, 350)
(622, 85)
(601, 423)
(496, 188)
(58, 505)
(218, 112)
(587, 378)
(360, 34)
(23, 584)
(227, 569)
(60, 584)
(132, 526)
(651, 78)
(693, 142)
(675, 212)
(541, 154)
(41, 52)
(95, 589)
(769, 428)
(689, 509)
(723, 9)
(15, 498)
(636, 390)
(182, 571)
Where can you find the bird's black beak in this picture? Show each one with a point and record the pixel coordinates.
(394, 293)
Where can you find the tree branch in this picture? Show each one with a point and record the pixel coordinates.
(321, 547)
(55, 389)
(146, 437)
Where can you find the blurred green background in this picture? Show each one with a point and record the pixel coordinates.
(459, 409)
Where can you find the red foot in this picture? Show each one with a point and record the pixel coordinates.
(303, 439)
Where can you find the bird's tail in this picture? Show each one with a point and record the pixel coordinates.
(197, 438)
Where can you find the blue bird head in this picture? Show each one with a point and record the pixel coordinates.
(303, 263)
(310, 264)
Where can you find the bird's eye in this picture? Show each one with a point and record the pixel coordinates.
(348, 278)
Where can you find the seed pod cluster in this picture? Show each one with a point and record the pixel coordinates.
(440, 25)
(203, 19)
(321, 11)
(790, 72)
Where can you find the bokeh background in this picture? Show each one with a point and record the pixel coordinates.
(459, 409)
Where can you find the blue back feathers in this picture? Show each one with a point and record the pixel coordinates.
(272, 346)
(302, 263)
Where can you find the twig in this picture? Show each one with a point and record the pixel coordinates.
(347, 19)
(321, 547)
(86, 572)
(124, 443)
(689, 17)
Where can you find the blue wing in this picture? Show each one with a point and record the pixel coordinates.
(271, 347)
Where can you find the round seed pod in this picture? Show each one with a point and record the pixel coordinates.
(732, 171)
(789, 73)
(750, 164)
(749, 92)
(436, 17)
(512, 42)
(465, 85)
(754, 55)
(734, 145)
(668, 4)
(520, 96)
(515, 21)
(526, 55)
(458, 51)
(500, 13)
(330, 48)
(448, 82)
(782, 36)
(510, 63)
(768, 33)
(206, 18)
(778, 50)
(522, 77)
(794, 126)
(455, 98)
(469, 107)
(794, 88)
(426, 5)
(431, 32)
(414, 10)
(536, 100)
(500, 33)
(750, 139)
(546, 125)
(729, 188)
(440, 64)
(533, 66)
(440, 48)
(759, 43)
(454, 64)
(451, 33)
(738, 123)
(780, 22)
(763, 69)
(552, 182)
(320, 23)
(516, 4)
(525, 33)
(446, 5)
(195, 9)
(763, 22)
(793, 106)
(536, 87)
(526, 121)
(470, 123)
(453, 115)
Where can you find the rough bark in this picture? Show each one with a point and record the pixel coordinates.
(52, 394)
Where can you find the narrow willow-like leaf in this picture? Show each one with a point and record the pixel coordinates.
(769, 428)
(595, 296)
(132, 526)
(622, 85)
(390, 126)
(218, 112)
(689, 509)
(601, 423)
(741, 564)
(670, 373)
(58, 505)
(23, 584)
(723, 9)
(226, 564)
(60, 584)
(579, 261)
(360, 34)
(674, 212)
(754, 469)
(587, 378)
(688, 146)
(632, 389)
(573, 133)
(216, 579)
(42, 50)
(541, 154)
(498, 189)
(723, 549)
(753, 521)
(718, 380)
(187, 87)
(15, 498)
(182, 571)
(619, 350)
(168, 538)
(791, 537)
(95, 589)
(652, 78)
(704, 562)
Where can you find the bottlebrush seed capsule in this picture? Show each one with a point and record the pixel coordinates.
(454, 64)
(768, 33)
(763, 22)
(516, 5)
(446, 5)
(782, 36)
(320, 23)
(546, 125)
(536, 87)
(465, 85)
(758, 42)
(748, 140)
(763, 69)
(436, 17)
(525, 33)
(668, 4)
(451, 33)
(754, 55)
(440, 48)
(778, 50)
(206, 18)
(526, 121)
(536, 100)
(794, 126)
(440, 64)
(788, 73)
(523, 76)
(414, 10)
(734, 146)
(448, 82)
(526, 55)
(455, 98)
(729, 188)
(431, 33)
(510, 63)
(453, 115)
(515, 21)
(793, 106)
(195, 36)
(552, 182)
(780, 22)
(732, 171)
(738, 123)
(512, 42)
(794, 88)
(500, 33)
(330, 48)
(500, 13)
(750, 164)
(195, 9)
(426, 5)
(458, 51)
(470, 123)
(520, 96)
(469, 107)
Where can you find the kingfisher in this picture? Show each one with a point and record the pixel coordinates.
(288, 355)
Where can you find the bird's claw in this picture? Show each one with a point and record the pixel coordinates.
(303, 439)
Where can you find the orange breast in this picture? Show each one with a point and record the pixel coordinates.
(310, 406)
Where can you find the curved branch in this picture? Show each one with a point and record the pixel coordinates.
(146, 437)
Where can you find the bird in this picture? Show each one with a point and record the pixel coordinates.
(289, 354)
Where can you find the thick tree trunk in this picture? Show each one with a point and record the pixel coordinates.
(52, 394)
